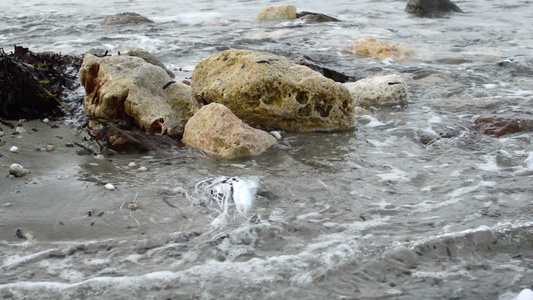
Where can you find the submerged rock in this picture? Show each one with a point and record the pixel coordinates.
(431, 7)
(127, 18)
(499, 126)
(270, 91)
(316, 17)
(381, 49)
(326, 72)
(151, 59)
(282, 12)
(118, 87)
(218, 132)
(379, 91)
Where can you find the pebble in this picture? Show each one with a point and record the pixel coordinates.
(14, 149)
(109, 186)
(132, 164)
(49, 148)
(17, 170)
(99, 157)
(28, 236)
(276, 134)
(46, 120)
(1, 133)
(83, 152)
(20, 129)
(143, 169)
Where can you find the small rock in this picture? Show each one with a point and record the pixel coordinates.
(431, 7)
(132, 164)
(1, 133)
(109, 186)
(46, 120)
(282, 12)
(28, 236)
(49, 148)
(20, 130)
(142, 169)
(381, 49)
(127, 18)
(378, 91)
(14, 149)
(276, 134)
(17, 170)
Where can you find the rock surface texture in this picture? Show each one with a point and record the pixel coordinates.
(381, 49)
(218, 132)
(271, 92)
(282, 12)
(118, 87)
(379, 91)
(431, 7)
(127, 18)
(150, 58)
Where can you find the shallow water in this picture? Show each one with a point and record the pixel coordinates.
(414, 204)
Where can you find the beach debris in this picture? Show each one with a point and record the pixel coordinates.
(109, 186)
(20, 129)
(46, 120)
(221, 193)
(215, 130)
(132, 206)
(14, 149)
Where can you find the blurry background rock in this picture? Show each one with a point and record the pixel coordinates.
(126, 18)
(381, 49)
(282, 12)
(218, 132)
(33, 85)
(271, 92)
(499, 126)
(431, 7)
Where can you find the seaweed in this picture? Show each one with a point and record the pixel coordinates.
(33, 84)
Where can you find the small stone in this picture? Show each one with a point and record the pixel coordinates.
(1, 133)
(28, 236)
(69, 145)
(109, 186)
(132, 164)
(83, 152)
(14, 149)
(276, 134)
(49, 148)
(17, 170)
(99, 157)
(46, 120)
(142, 169)
(20, 129)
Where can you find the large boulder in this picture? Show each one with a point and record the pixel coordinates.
(381, 49)
(431, 7)
(117, 87)
(219, 133)
(270, 91)
(379, 91)
(282, 12)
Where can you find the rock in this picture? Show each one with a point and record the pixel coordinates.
(282, 12)
(151, 59)
(381, 49)
(120, 86)
(379, 91)
(431, 7)
(109, 186)
(314, 65)
(127, 18)
(124, 141)
(132, 164)
(14, 149)
(17, 170)
(499, 126)
(49, 148)
(271, 92)
(316, 17)
(219, 133)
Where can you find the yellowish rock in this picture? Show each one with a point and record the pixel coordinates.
(271, 92)
(381, 49)
(218, 132)
(282, 12)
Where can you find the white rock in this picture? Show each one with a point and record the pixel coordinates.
(142, 169)
(525, 294)
(1, 133)
(378, 91)
(132, 164)
(20, 129)
(50, 148)
(14, 149)
(46, 120)
(17, 170)
(109, 186)
(276, 134)
(28, 236)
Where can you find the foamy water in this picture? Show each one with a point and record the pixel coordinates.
(414, 204)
